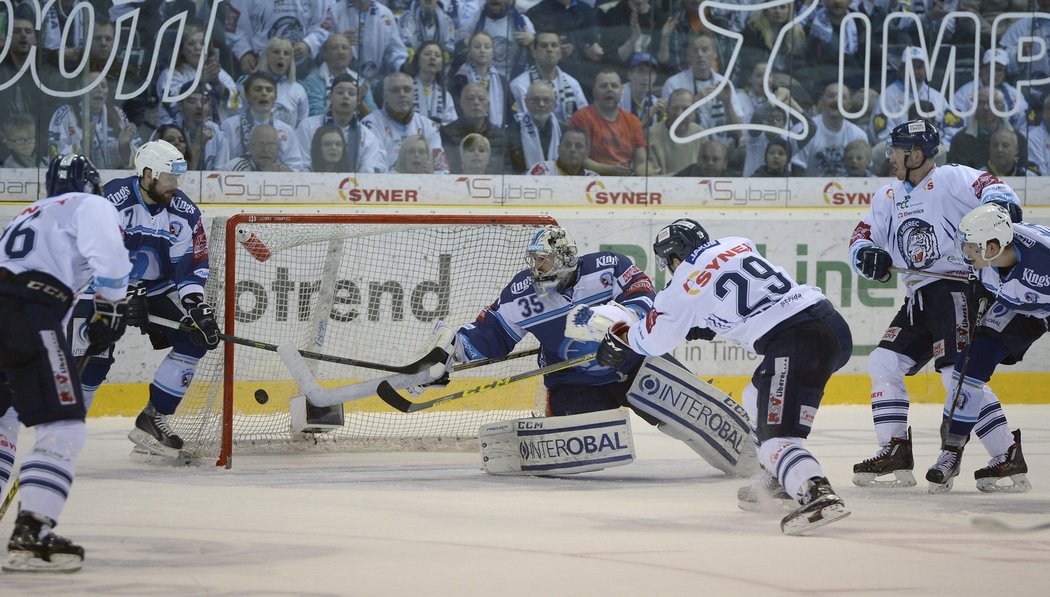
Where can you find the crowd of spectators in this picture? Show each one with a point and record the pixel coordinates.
(494, 86)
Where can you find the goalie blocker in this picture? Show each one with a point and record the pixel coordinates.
(557, 445)
(707, 419)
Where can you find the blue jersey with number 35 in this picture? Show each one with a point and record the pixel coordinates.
(601, 277)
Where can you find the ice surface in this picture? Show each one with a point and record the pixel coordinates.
(434, 524)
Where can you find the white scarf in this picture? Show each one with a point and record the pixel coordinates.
(530, 139)
(495, 87)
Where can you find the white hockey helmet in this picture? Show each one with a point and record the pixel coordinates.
(160, 157)
(552, 258)
(984, 223)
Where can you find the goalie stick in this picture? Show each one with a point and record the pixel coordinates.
(994, 525)
(435, 356)
(391, 396)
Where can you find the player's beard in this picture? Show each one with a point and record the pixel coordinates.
(159, 198)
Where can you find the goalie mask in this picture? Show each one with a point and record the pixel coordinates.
(984, 223)
(552, 258)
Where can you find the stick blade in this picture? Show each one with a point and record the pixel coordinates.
(388, 394)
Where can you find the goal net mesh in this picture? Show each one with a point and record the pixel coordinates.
(370, 288)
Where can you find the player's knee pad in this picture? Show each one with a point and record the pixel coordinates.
(886, 366)
(62, 440)
(557, 445)
(710, 422)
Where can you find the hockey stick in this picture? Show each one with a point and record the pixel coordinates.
(389, 395)
(994, 525)
(435, 356)
(919, 272)
(10, 499)
(493, 361)
(982, 308)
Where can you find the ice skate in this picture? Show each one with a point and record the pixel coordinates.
(820, 506)
(764, 494)
(1005, 466)
(27, 551)
(893, 458)
(153, 434)
(942, 474)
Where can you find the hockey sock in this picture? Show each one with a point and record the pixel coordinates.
(889, 396)
(792, 463)
(8, 443)
(992, 428)
(47, 473)
(171, 381)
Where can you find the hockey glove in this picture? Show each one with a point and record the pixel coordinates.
(874, 263)
(201, 316)
(613, 351)
(137, 316)
(1015, 211)
(106, 326)
(699, 333)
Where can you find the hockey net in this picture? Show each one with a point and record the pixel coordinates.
(366, 287)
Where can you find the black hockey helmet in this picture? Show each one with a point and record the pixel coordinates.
(679, 239)
(916, 133)
(72, 174)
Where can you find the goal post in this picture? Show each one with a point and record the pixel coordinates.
(370, 287)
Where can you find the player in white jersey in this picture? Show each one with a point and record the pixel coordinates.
(912, 225)
(725, 286)
(1012, 261)
(48, 253)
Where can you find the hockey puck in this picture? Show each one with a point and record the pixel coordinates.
(261, 396)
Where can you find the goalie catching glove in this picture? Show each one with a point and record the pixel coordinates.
(201, 317)
(106, 326)
(591, 323)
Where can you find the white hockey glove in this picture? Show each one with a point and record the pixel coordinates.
(444, 337)
(591, 323)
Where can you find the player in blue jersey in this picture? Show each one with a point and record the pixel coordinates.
(1012, 261)
(165, 237)
(538, 300)
(48, 253)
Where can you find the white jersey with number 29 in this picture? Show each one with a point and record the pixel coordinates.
(728, 287)
(75, 237)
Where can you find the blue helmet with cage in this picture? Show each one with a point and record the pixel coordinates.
(72, 174)
(679, 239)
(916, 133)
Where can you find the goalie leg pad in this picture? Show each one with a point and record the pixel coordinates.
(557, 445)
(704, 417)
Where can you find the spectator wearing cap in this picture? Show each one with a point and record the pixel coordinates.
(777, 160)
(1014, 102)
(260, 93)
(337, 54)
(667, 157)
(534, 135)
(546, 55)
(203, 135)
(617, 139)
(225, 97)
(895, 100)
(701, 80)
(970, 146)
(1007, 157)
(364, 152)
(638, 97)
(629, 27)
(1039, 139)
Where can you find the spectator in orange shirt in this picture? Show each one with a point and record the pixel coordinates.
(617, 139)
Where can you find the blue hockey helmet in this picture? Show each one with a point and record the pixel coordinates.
(679, 239)
(916, 133)
(72, 174)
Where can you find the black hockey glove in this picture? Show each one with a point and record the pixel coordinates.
(699, 333)
(613, 351)
(106, 326)
(874, 263)
(201, 316)
(1016, 213)
(137, 316)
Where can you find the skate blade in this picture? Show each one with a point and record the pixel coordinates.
(150, 444)
(902, 478)
(945, 487)
(1020, 484)
(24, 561)
(799, 525)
